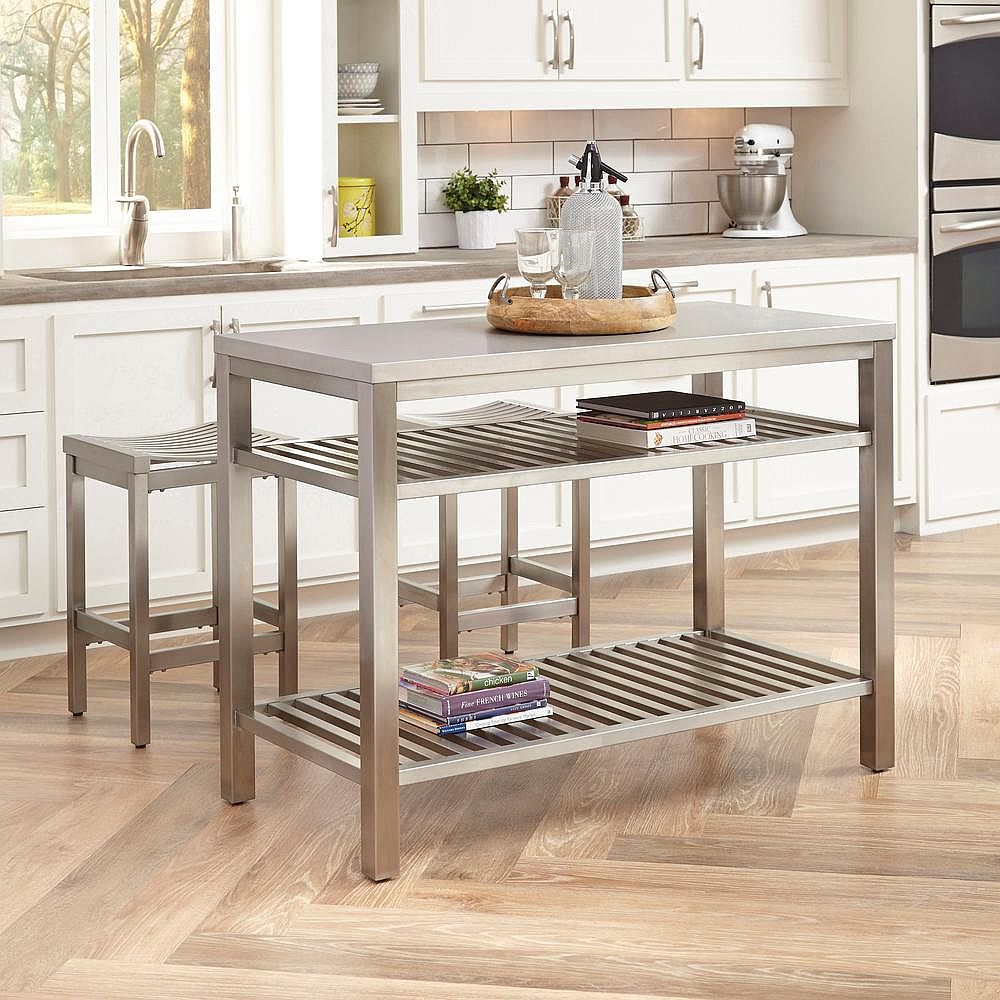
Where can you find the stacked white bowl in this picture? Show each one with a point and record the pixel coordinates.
(356, 81)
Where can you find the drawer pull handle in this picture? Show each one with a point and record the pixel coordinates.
(451, 307)
(768, 294)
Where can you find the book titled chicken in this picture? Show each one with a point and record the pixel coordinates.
(469, 673)
(422, 721)
(667, 437)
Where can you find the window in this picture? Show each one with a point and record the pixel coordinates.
(63, 116)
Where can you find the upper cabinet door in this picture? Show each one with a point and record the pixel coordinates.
(643, 40)
(482, 40)
(766, 40)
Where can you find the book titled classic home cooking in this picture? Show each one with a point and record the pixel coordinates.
(469, 673)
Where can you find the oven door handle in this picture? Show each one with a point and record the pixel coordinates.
(971, 19)
(971, 227)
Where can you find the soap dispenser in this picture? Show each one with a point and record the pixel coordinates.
(593, 208)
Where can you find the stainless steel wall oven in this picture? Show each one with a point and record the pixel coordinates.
(965, 191)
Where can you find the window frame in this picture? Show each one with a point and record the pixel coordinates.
(91, 230)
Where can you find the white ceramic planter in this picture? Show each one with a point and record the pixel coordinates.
(477, 230)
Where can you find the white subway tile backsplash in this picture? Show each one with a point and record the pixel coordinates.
(695, 185)
(707, 123)
(674, 220)
(671, 154)
(466, 126)
(672, 159)
(616, 153)
(441, 161)
(717, 218)
(720, 154)
(532, 190)
(649, 189)
(549, 126)
(633, 124)
(511, 157)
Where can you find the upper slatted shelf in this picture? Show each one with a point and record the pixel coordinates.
(433, 461)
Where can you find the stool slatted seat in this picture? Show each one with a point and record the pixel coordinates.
(445, 598)
(140, 466)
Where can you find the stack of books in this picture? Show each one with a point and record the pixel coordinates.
(447, 697)
(663, 419)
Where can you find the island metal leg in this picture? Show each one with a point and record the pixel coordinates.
(876, 542)
(508, 551)
(708, 543)
(448, 576)
(76, 587)
(378, 591)
(235, 562)
(138, 608)
(581, 562)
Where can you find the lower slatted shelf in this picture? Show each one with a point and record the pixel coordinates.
(601, 696)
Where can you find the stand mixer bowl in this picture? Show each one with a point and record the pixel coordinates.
(752, 198)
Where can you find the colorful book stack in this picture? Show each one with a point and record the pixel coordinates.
(663, 419)
(472, 692)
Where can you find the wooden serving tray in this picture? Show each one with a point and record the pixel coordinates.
(640, 310)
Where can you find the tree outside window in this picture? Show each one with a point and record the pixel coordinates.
(47, 118)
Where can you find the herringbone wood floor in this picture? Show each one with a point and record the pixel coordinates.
(749, 861)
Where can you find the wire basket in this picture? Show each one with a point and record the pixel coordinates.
(631, 224)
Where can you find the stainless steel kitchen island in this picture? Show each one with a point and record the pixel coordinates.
(601, 695)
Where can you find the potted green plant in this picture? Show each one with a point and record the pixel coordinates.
(477, 203)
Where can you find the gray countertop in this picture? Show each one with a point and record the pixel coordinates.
(462, 348)
(437, 265)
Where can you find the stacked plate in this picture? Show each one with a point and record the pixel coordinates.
(360, 106)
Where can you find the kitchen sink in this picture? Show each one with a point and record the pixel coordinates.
(121, 272)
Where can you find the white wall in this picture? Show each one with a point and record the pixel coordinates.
(857, 169)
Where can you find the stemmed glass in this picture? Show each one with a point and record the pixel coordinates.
(536, 257)
(573, 259)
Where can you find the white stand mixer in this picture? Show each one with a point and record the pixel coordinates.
(760, 151)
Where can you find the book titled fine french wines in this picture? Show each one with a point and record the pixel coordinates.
(450, 706)
(475, 672)
(668, 437)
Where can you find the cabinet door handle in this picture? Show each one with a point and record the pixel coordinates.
(234, 326)
(699, 60)
(451, 307)
(571, 59)
(684, 284)
(971, 227)
(216, 329)
(335, 229)
(553, 63)
(971, 18)
(768, 294)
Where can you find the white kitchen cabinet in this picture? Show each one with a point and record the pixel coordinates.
(23, 469)
(135, 370)
(22, 363)
(327, 521)
(872, 288)
(962, 474)
(641, 41)
(24, 563)
(544, 510)
(768, 39)
(653, 503)
(583, 54)
(475, 40)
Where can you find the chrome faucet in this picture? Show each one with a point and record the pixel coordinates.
(135, 207)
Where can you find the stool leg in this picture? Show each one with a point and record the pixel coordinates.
(288, 588)
(448, 576)
(76, 588)
(214, 494)
(138, 607)
(581, 562)
(508, 550)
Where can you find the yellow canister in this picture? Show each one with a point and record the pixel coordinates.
(357, 206)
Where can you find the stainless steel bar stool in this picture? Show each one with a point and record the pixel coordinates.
(140, 466)
(446, 598)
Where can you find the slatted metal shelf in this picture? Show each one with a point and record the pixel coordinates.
(436, 461)
(602, 695)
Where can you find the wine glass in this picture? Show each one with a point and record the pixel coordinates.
(535, 257)
(573, 259)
